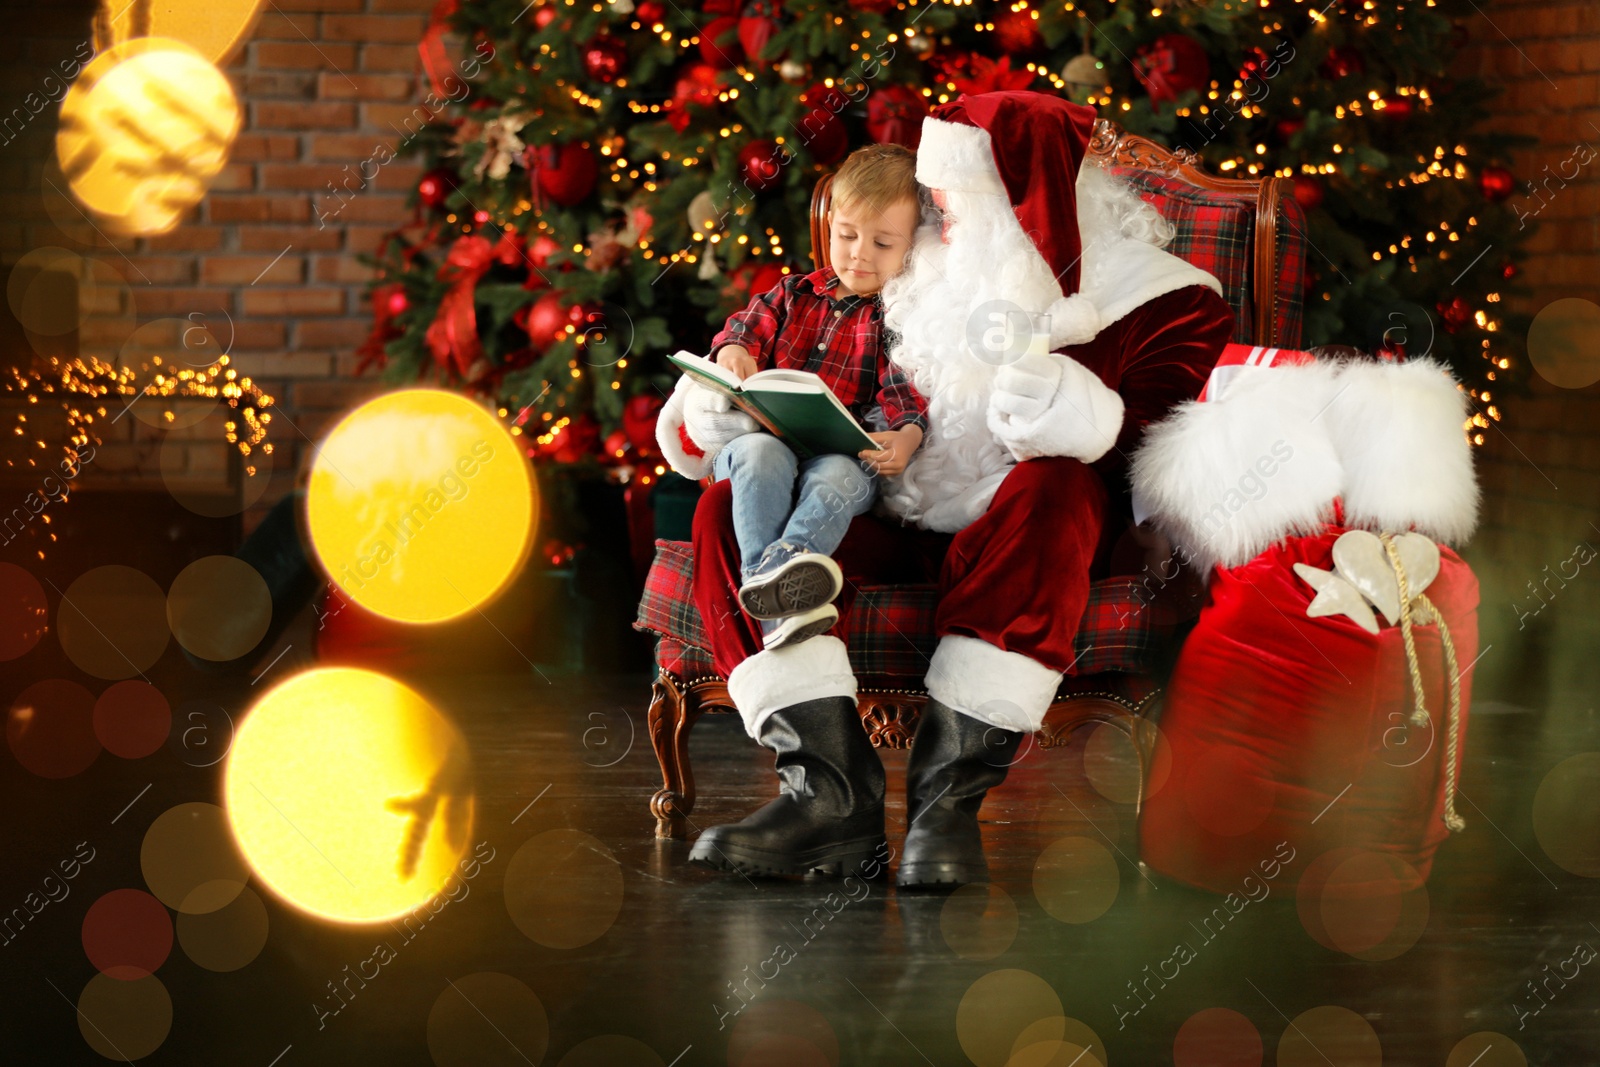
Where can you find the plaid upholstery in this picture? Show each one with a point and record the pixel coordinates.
(1216, 232)
(891, 626)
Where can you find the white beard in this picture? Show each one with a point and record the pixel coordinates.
(936, 304)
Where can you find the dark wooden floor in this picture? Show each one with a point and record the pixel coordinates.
(869, 979)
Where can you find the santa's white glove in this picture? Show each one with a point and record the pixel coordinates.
(1024, 389)
(1054, 406)
(711, 419)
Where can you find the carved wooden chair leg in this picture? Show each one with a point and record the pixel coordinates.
(669, 724)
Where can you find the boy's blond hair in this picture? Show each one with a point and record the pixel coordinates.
(878, 177)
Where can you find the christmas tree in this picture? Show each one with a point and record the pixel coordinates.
(609, 181)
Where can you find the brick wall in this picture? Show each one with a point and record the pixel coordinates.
(322, 84)
(1541, 467)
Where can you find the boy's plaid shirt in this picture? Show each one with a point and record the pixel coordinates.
(799, 325)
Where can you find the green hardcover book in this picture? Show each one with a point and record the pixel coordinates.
(796, 405)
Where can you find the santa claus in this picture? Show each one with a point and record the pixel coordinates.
(1011, 504)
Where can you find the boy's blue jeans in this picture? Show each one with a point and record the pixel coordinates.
(779, 497)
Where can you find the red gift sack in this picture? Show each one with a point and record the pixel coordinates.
(1285, 728)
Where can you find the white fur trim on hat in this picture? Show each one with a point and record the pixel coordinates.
(1398, 429)
(1227, 479)
(953, 155)
(672, 450)
(776, 678)
(990, 684)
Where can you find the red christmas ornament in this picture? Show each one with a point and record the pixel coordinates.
(650, 12)
(1255, 59)
(697, 85)
(639, 416)
(895, 114)
(1017, 32)
(750, 280)
(546, 15)
(759, 164)
(1343, 61)
(1171, 65)
(547, 320)
(615, 448)
(1397, 107)
(565, 173)
(821, 131)
(718, 42)
(605, 58)
(721, 7)
(1455, 313)
(435, 187)
(1308, 191)
(1508, 271)
(1496, 183)
(397, 302)
(755, 30)
(877, 7)
(1287, 128)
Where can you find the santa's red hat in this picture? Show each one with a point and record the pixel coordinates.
(1026, 146)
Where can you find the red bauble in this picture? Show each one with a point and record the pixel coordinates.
(825, 96)
(719, 42)
(1287, 128)
(750, 280)
(397, 302)
(1397, 107)
(877, 7)
(1343, 61)
(615, 449)
(759, 164)
(1308, 191)
(1508, 271)
(1455, 313)
(1171, 65)
(436, 186)
(639, 416)
(546, 15)
(605, 58)
(548, 319)
(650, 12)
(1496, 183)
(565, 173)
(697, 85)
(1017, 32)
(824, 135)
(754, 33)
(895, 114)
(580, 437)
(1255, 58)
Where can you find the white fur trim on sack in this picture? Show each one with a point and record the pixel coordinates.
(776, 678)
(1227, 479)
(990, 684)
(953, 155)
(1398, 429)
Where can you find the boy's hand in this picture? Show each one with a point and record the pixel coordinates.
(894, 449)
(737, 358)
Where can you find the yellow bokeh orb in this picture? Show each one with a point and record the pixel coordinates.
(420, 506)
(144, 130)
(349, 795)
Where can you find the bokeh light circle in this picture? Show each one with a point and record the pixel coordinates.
(997, 1008)
(564, 888)
(50, 291)
(189, 860)
(1224, 793)
(214, 28)
(1566, 814)
(229, 937)
(50, 728)
(1373, 905)
(132, 719)
(1055, 1054)
(420, 505)
(486, 1019)
(124, 1021)
(1564, 343)
(608, 1050)
(1217, 1037)
(127, 934)
(1075, 879)
(144, 129)
(24, 613)
(202, 733)
(1111, 760)
(782, 1032)
(350, 795)
(979, 921)
(1486, 1049)
(1056, 1041)
(1327, 1034)
(112, 622)
(219, 608)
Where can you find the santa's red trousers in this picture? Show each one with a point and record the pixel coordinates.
(1017, 577)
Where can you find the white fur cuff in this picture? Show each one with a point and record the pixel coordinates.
(780, 677)
(1073, 320)
(992, 685)
(1082, 421)
(672, 450)
(953, 155)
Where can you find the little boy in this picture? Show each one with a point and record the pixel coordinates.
(790, 515)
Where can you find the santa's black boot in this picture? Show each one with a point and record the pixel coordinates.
(955, 761)
(828, 814)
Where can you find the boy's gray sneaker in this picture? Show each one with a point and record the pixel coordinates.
(790, 581)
